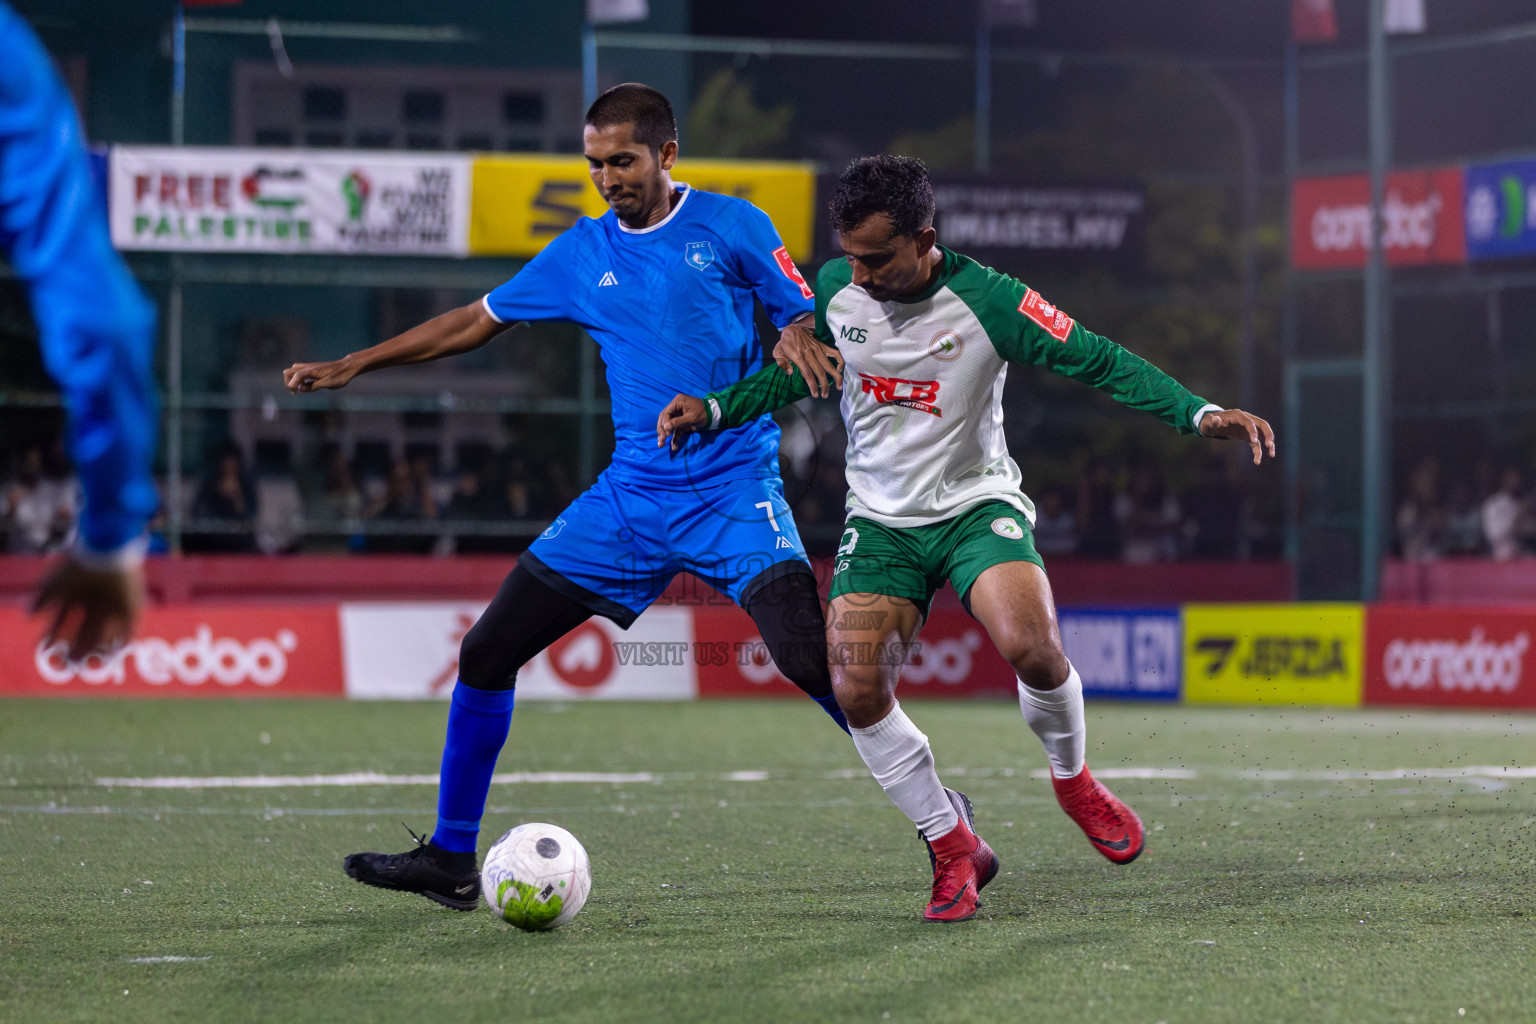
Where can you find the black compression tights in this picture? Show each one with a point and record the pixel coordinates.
(527, 616)
(788, 615)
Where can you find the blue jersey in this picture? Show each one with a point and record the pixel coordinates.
(671, 307)
(96, 328)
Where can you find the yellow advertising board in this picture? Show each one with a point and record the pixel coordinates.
(521, 202)
(1274, 653)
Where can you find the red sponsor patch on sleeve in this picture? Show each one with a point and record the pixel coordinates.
(787, 266)
(1055, 323)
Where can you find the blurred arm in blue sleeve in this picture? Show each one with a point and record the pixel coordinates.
(96, 327)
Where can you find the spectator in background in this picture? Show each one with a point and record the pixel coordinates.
(1420, 519)
(406, 498)
(473, 501)
(1055, 525)
(434, 493)
(226, 497)
(517, 487)
(1505, 521)
(1463, 522)
(339, 499)
(1149, 518)
(1214, 514)
(1098, 530)
(38, 508)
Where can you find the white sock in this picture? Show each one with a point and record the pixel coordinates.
(1056, 716)
(898, 755)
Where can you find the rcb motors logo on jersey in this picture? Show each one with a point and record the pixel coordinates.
(913, 394)
(1056, 323)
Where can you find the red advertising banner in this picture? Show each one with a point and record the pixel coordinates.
(1467, 657)
(1424, 215)
(196, 651)
(954, 658)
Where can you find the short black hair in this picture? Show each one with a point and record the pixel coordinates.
(638, 105)
(894, 185)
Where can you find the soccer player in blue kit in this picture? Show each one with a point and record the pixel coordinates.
(665, 282)
(97, 333)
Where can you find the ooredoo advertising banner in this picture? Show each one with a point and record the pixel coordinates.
(1330, 220)
(1124, 654)
(1274, 653)
(410, 651)
(1468, 657)
(199, 651)
(195, 199)
(952, 657)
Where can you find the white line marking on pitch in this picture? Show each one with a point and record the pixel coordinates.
(623, 778)
(165, 959)
(1288, 775)
(356, 779)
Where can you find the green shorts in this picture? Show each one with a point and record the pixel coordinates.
(914, 561)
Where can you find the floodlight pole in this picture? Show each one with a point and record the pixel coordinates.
(588, 65)
(173, 318)
(1376, 380)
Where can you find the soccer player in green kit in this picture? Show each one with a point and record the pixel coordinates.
(921, 341)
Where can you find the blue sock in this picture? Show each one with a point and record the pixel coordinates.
(478, 721)
(829, 705)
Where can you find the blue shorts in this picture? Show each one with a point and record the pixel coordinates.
(617, 546)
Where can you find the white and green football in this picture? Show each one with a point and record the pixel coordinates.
(536, 876)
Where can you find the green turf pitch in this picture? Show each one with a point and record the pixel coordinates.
(792, 893)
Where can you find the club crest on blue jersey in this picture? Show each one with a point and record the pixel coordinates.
(699, 254)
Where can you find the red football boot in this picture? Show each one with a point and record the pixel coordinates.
(963, 865)
(1112, 828)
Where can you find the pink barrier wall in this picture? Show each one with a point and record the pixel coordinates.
(1459, 581)
(400, 577)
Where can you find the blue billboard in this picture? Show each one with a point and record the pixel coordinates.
(1501, 210)
(1125, 653)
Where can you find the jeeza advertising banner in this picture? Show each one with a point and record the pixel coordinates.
(1501, 210)
(1274, 653)
(193, 199)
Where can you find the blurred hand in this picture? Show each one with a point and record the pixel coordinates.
(1236, 425)
(798, 349)
(683, 416)
(94, 610)
(301, 377)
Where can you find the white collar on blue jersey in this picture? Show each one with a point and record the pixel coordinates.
(682, 187)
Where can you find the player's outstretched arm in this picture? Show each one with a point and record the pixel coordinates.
(683, 415)
(456, 331)
(1236, 425)
(763, 392)
(798, 349)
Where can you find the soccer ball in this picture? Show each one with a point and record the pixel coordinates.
(536, 876)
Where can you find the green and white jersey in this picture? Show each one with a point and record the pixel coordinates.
(923, 387)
